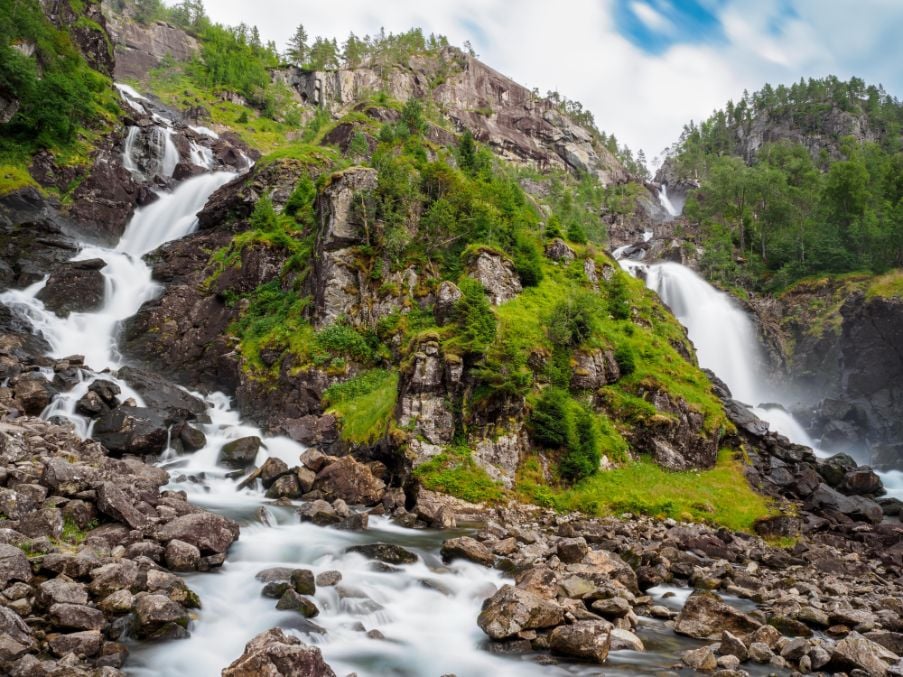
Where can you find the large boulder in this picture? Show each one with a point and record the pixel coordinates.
(13, 565)
(497, 275)
(388, 553)
(706, 616)
(162, 394)
(855, 652)
(351, 481)
(465, 547)
(75, 286)
(132, 430)
(512, 610)
(208, 532)
(240, 453)
(275, 654)
(589, 640)
(157, 616)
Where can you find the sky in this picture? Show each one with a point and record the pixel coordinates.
(643, 67)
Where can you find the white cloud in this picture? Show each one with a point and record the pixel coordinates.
(650, 17)
(575, 48)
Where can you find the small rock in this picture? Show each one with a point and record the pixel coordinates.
(701, 659)
(467, 548)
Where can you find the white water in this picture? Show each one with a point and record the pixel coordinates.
(201, 156)
(666, 202)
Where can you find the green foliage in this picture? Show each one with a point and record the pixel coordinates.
(476, 323)
(626, 359)
(720, 496)
(582, 457)
(59, 95)
(573, 320)
(14, 178)
(340, 339)
(550, 420)
(455, 472)
(230, 60)
(364, 405)
(619, 297)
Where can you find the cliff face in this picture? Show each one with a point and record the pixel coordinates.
(141, 48)
(519, 126)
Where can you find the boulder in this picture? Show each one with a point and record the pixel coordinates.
(13, 565)
(855, 652)
(83, 644)
(558, 250)
(351, 481)
(447, 295)
(706, 616)
(701, 659)
(76, 617)
(33, 392)
(207, 531)
(571, 550)
(319, 512)
(61, 590)
(588, 640)
(13, 627)
(497, 275)
(293, 601)
(384, 552)
(181, 556)
(132, 430)
(75, 286)
(512, 610)
(155, 616)
(240, 453)
(468, 548)
(276, 654)
(113, 501)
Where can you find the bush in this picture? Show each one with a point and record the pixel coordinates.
(300, 203)
(527, 260)
(550, 422)
(626, 360)
(476, 322)
(572, 321)
(341, 339)
(618, 297)
(576, 233)
(582, 456)
(264, 216)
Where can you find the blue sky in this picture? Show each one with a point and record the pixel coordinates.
(643, 67)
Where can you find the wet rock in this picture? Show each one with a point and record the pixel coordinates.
(705, 616)
(132, 430)
(622, 640)
(272, 469)
(468, 548)
(701, 659)
(589, 640)
(292, 601)
(350, 481)
(13, 565)
(319, 512)
(731, 645)
(209, 532)
(328, 578)
(611, 608)
(286, 486)
(158, 617)
(76, 286)
(240, 453)
(384, 552)
(759, 652)
(302, 581)
(512, 610)
(276, 654)
(34, 393)
(862, 482)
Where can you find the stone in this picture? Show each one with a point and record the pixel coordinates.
(496, 274)
(467, 548)
(316, 460)
(154, 616)
(622, 640)
(795, 649)
(701, 659)
(512, 610)
(855, 652)
(240, 453)
(118, 602)
(13, 627)
(571, 550)
(760, 652)
(121, 575)
(34, 393)
(292, 601)
(705, 616)
(286, 486)
(82, 644)
(303, 581)
(447, 295)
(113, 501)
(272, 469)
(328, 578)
(209, 532)
(132, 430)
(181, 556)
(276, 654)
(76, 617)
(319, 512)
(731, 645)
(75, 286)
(588, 640)
(384, 552)
(351, 481)
(61, 590)
(46, 522)
(14, 565)
(611, 608)
(558, 250)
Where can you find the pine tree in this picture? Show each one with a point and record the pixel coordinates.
(298, 51)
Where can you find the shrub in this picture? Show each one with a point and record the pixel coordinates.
(582, 456)
(572, 321)
(527, 260)
(618, 299)
(576, 233)
(550, 422)
(342, 339)
(476, 322)
(264, 217)
(626, 359)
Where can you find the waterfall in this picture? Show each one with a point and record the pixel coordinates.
(201, 156)
(129, 155)
(727, 342)
(666, 202)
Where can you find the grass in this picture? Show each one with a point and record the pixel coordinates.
(454, 472)
(13, 178)
(720, 496)
(887, 286)
(364, 405)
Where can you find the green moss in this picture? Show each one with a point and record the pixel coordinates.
(720, 496)
(14, 178)
(364, 405)
(454, 472)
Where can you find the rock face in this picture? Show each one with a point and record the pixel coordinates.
(275, 654)
(496, 274)
(141, 48)
(518, 125)
(77, 286)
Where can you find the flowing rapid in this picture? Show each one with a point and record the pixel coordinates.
(666, 203)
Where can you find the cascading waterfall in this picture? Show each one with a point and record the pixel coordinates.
(727, 343)
(666, 202)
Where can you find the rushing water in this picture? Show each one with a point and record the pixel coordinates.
(666, 203)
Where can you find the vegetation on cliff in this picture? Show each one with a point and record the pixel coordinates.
(824, 197)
